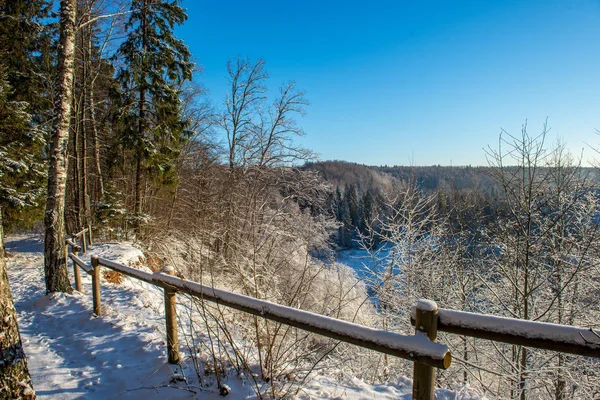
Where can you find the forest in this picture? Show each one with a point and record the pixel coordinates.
(104, 122)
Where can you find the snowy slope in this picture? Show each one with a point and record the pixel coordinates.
(73, 355)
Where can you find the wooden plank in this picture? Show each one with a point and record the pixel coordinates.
(132, 272)
(73, 245)
(80, 233)
(540, 335)
(414, 348)
(78, 261)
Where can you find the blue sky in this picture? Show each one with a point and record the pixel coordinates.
(414, 82)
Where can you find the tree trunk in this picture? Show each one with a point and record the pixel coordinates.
(95, 140)
(76, 164)
(86, 38)
(55, 263)
(15, 382)
(141, 131)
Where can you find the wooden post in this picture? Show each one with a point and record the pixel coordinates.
(83, 240)
(76, 272)
(96, 285)
(90, 233)
(424, 375)
(171, 319)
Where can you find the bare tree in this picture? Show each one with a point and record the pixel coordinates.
(545, 239)
(247, 92)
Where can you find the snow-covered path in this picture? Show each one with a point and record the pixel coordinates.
(74, 355)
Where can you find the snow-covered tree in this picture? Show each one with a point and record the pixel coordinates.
(544, 253)
(21, 170)
(24, 105)
(154, 66)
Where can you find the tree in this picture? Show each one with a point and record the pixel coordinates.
(55, 263)
(155, 64)
(545, 238)
(15, 382)
(24, 106)
(20, 145)
(14, 120)
(247, 93)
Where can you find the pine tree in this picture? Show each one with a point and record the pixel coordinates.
(155, 64)
(20, 169)
(367, 211)
(351, 197)
(24, 106)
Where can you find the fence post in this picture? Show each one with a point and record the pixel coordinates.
(424, 375)
(171, 319)
(90, 234)
(76, 272)
(83, 240)
(96, 285)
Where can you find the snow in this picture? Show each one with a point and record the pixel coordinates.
(523, 328)
(417, 345)
(426, 305)
(362, 262)
(140, 274)
(122, 354)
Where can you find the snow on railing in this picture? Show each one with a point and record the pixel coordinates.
(80, 263)
(541, 335)
(420, 348)
(415, 348)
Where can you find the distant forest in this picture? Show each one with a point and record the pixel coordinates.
(361, 192)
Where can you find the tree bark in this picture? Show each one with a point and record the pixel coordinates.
(95, 139)
(75, 128)
(141, 132)
(55, 263)
(15, 382)
(83, 192)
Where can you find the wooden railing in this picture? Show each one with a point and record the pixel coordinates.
(540, 335)
(85, 239)
(420, 348)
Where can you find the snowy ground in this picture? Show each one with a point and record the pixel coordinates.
(122, 354)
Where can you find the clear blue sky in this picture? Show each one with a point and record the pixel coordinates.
(414, 82)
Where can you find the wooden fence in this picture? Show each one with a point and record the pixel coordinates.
(420, 348)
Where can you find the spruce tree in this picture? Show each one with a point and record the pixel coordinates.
(21, 171)
(351, 197)
(367, 212)
(155, 64)
(24, 108)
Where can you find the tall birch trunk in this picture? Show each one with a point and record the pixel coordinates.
(55, 263)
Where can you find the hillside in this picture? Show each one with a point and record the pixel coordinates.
(73, 355)
(427, 178)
